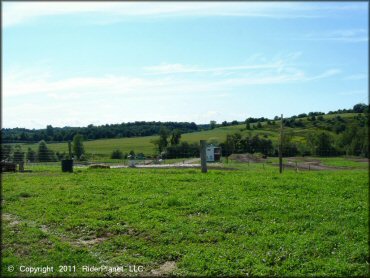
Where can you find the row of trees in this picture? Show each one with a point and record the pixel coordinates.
(92, 132)
(138, 128)
(16, 154)
(236, 143)
(291, 122)
(353, 141)
(118, 154)
(168, 145)
(335, 124)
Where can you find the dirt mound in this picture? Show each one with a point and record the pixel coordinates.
(97, 166)
(305, 160)
(246, 157)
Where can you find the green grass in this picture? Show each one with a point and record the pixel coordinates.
(344, 162)
(250, 221)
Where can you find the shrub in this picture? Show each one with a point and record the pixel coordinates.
(117, 154)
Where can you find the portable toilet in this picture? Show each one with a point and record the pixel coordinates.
(213, 153)
(131, 161)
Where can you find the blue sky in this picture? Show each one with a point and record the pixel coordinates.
(74, 64)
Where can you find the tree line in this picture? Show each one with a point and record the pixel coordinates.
(142, 128)
(169, 145)
(354, 140)
(92, 132)
(42, 154)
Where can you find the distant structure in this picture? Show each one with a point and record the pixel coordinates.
(132, 161)
(213, 153)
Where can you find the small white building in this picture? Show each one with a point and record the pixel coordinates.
(213, 153)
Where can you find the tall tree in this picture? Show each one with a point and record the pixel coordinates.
(18, 155)
(175, 137)
(78, 147)
(49, 130)
(117, 154)
(43, 153)
(163, 139)
(321, 143)
(359, 108)
(31, 155)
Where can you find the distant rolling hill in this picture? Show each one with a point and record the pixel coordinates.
(104, 147)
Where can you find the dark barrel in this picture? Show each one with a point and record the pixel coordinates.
(67, 165)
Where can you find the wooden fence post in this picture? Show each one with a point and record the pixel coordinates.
(281, 146)
(203, 156)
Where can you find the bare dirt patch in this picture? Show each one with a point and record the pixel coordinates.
(247, 157)
(99, 166)
(89, 242)
(165, 269)
(307, 163)
(13, 221)
(309, 166)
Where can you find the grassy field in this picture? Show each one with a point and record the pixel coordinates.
(248, 221)
(140, 144)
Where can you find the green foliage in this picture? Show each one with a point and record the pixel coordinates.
(289, 147)
(31, 155)
(360, 108)
(300, 129)
(123, 130)
(212, 124)
(61, 156)
(162, 142)
(321, 144)
(50, 131)
(18, 154)
(44, 154)
(184, 149)
(6, 151)
(236, 143)
(136, 129)
(355, 141)
(175, 137)
(117, 154)
(78, 147)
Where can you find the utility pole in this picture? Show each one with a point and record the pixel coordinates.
(203, 156)
(281, 146)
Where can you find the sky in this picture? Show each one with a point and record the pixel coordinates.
(81, 63)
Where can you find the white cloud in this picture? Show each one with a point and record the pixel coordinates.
(179, 68)
(325, 74)
(160, 81)
(109, 12)
(41, 97)
(256, 63)
(345, 35)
